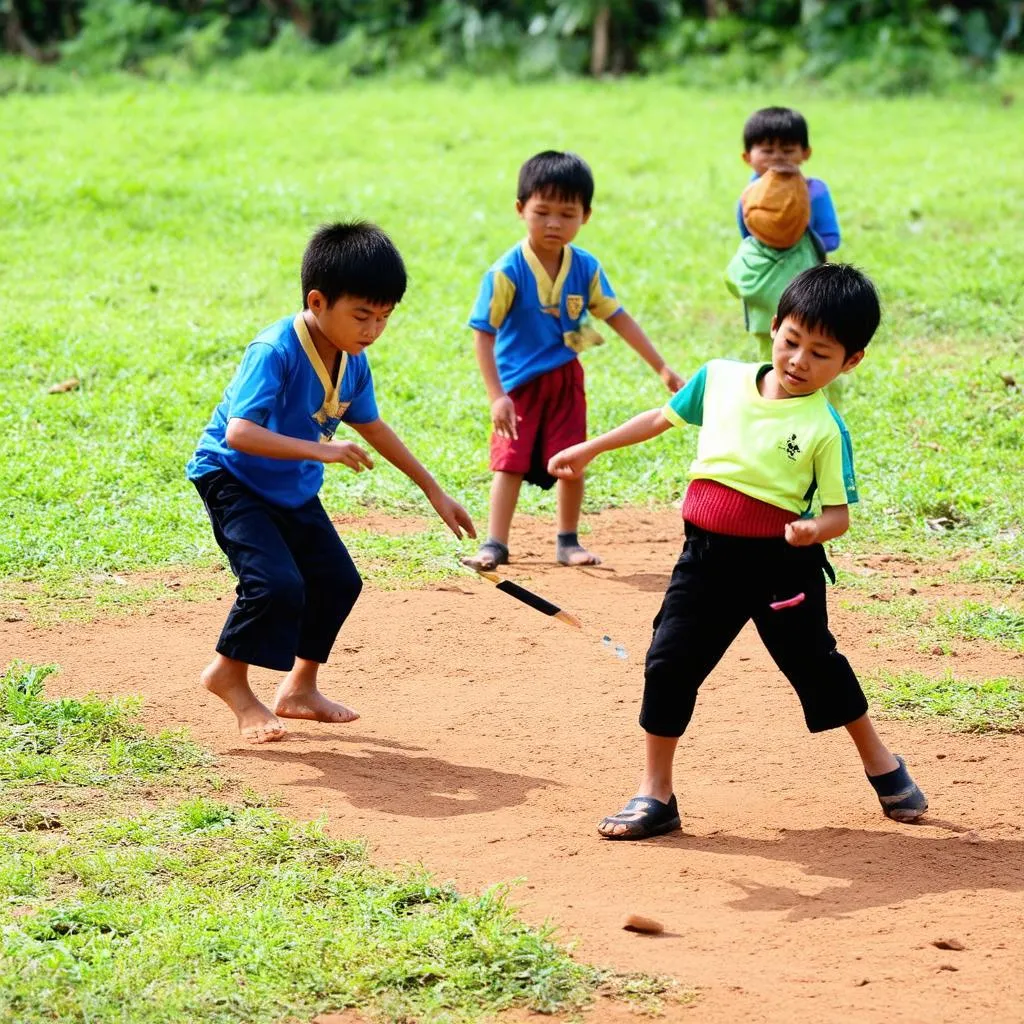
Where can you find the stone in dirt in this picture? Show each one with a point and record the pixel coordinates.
(955, 944)
(645, 925)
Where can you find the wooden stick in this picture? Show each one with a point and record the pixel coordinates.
(528, 597)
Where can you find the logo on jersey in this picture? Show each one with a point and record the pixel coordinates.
(574, 306)
(790, 447)
(329, 419)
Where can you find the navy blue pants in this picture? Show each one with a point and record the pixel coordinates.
(296, 581)
(717, 586)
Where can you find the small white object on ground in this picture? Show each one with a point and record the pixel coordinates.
(619, 650)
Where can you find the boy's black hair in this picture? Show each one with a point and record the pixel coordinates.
(356, 259)
(554, 175)
(836, 299)
(773, 124)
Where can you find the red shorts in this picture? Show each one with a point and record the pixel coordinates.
(551, 414)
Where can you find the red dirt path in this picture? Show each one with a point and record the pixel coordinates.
(493, 740)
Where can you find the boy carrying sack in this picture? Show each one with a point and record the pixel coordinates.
(787, 222)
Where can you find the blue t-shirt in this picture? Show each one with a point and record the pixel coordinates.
(535, 319)
(283, 385)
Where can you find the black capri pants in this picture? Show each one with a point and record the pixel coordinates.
(297, 582)
(718, 584)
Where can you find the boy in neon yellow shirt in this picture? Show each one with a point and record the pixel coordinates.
(770, 447)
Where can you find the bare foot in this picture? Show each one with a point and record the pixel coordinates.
(577, 555)
(256, 722)
(310, 704)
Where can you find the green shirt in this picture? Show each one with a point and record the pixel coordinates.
(781, 451)
(759, 274)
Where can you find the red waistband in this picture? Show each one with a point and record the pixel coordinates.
(719, 509)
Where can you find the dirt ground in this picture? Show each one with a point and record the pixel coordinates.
(493, 739)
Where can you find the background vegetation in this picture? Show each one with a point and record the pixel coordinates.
(886, 46)
(147, 235)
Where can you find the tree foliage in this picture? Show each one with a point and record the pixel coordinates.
(527, 37)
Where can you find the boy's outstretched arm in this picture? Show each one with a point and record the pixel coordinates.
(246, 436)
(380, 436)
(833, 522)
(569, 463)
(632, 334)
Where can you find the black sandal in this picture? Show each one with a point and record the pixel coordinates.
(643, 817)
(898, 794)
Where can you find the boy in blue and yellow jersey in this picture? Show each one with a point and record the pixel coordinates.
(530, 322)
(260, 463)
(769, 446)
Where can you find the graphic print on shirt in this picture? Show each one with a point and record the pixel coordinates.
(574, 306)
(790, 447)
(328, 419)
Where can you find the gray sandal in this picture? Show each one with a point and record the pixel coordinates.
(492, 553)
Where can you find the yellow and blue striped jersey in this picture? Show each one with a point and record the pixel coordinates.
(540, 324)
(283, 385)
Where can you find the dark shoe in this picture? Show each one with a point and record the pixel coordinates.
(898, 794)
(492, 553)
(643, 817)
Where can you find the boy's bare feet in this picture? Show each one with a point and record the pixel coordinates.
(226, 679)
(300, 700)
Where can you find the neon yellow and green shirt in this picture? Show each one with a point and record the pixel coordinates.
(783, 451)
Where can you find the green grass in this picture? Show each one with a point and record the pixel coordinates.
(974, 620)
(944, 622)
(415, 558)
(223, 914)
(115, 906)
(984, 570)
(88, 741)
(989, 705)
(169, 225)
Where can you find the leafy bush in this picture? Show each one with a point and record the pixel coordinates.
(885, 46)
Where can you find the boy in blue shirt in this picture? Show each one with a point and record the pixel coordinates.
(529, 323)
(769, 445)
(260, 463)
(777, 138)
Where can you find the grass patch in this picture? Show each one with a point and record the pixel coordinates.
(84, 598)
(973, 620)
(943, 623)
(411, 559)
(88, 741)
(989, 705)
(385, 561)
(987, 570)
(220, 913)
(114, 907)
(174, 219)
